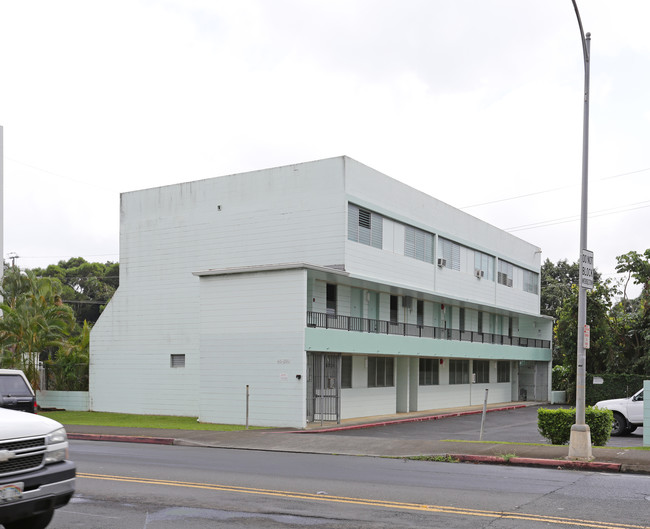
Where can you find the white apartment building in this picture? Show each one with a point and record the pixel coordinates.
(323, 291)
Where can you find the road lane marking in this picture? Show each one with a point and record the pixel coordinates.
(443, 509)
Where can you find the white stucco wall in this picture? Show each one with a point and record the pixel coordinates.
(289, 214)
(252, 333)
(398, 202)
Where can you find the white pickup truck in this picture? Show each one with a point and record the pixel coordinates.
(628, 413)
(35, 474)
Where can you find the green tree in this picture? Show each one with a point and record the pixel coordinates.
(632, 317)
(68, 369)
(35, 321)
(87, 287)
(557, 283)
(602, 357)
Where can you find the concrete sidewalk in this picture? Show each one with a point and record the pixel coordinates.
(313, 440)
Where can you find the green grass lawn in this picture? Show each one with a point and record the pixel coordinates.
(93, 418)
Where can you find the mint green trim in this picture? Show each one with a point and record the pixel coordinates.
(329, 340)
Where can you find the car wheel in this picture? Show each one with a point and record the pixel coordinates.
(631, 428)
(619, 426)
(38, 521)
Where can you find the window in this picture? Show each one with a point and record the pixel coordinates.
(503, 371)
(482, 371)
(177, 360)
(484, 265)
(480, 322)
(449, 251)
(420, 312)
(393, 309)
(364, 226)
(531, 280)
(418, 244)
(346, 372)
(380, 372)
(461, 319)
(331, 299)
(429, 371)
(506, 273)
(459, 371)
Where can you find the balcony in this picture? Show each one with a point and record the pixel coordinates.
(351, 323)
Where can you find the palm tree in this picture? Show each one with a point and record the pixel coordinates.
(34, 321)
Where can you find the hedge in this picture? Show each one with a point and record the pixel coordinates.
(614, 386)
(555, 425)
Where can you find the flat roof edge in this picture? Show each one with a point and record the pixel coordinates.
(268, 268)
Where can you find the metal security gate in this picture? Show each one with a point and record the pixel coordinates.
(323, 387)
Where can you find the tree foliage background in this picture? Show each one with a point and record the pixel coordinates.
(620, 326)
(47, 315)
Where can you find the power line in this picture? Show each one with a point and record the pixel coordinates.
(595, 214)
(552, 190)
(61, 176)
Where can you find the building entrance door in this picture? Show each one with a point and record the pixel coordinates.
(323, 387)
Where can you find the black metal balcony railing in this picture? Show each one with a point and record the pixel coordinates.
(352, 323)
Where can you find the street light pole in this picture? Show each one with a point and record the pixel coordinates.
(580, 441)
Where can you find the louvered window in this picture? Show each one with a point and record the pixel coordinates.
(531, 280)
(380, 372)
(482, 371)
(505, 274)
(429, 371)
(346, 372)
(459, 371)
(418, 244)
(364, 226)
(503, 371)
(449, 251)
(177, 360)
(483, 265)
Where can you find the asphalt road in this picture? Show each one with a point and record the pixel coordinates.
(516, 426)
(130, 486)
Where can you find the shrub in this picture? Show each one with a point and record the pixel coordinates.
(555, 425)
(600, 424)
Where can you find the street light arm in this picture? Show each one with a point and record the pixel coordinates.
(585, 51)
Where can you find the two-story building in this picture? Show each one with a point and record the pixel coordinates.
(323, 291)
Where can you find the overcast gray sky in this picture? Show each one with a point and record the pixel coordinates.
(476, 102)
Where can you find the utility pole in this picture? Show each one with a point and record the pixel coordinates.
(580, 441)
(2, 207)
(13, 256)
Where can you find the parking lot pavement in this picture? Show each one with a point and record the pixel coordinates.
(517, 425)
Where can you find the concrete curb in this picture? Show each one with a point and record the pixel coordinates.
(464, 458)
(535, 462)
(122, 438)
(408, 420)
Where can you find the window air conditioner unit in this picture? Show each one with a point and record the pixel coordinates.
(479, 273)
(509, 282)
(442, 262)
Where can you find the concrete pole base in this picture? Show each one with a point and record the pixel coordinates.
(580, 443)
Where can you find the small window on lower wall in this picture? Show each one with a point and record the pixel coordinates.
(459, 371)
(429, 371)
(177, 361)
(346, 372)
(503, 371)
(482, 371)
(380, 372)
